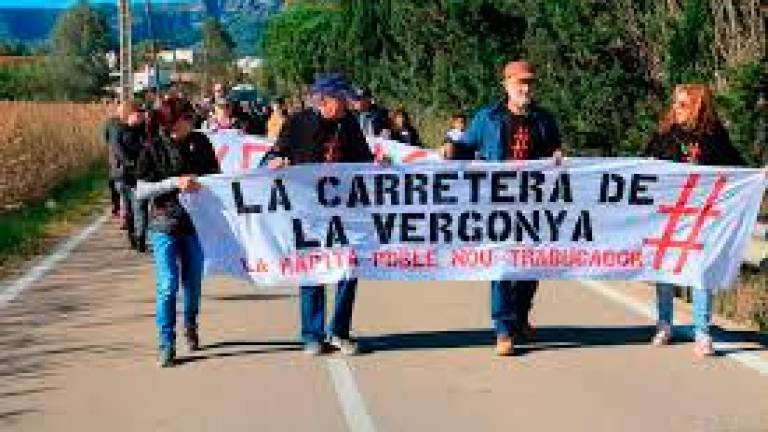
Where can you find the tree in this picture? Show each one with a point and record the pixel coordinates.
(144, 51)
(80, 41)
(605, 68)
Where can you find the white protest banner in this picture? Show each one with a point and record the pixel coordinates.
(400, 153)
(628, 219)
(238, 152)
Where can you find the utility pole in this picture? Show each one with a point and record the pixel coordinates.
(151, 34)
(126, 69)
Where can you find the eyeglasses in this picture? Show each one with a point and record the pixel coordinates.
(529, 80)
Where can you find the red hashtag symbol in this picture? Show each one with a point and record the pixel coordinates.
(680, 209)
(693, 153)
(520, 147)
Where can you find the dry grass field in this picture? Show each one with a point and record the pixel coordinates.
(42, 144)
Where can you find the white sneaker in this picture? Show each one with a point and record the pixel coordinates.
(663, 335)
(703, 346)
(346, 346)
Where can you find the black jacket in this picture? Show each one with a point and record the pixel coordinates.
(408, 135)
(164, 159)
(677, 145)
(302, 139)
(111, 134)
(377, 117)
(125, 144)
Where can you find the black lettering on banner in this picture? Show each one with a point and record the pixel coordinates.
(386, 185)
(300, 240)
(562, 190)
(416, 183)
(532, 181)
(554, 223)
(440, 223)
(358, 194)
(608, 195)
(476, 233)
(322, 191)
(408, 227)
(242, 208)
(500, 233)
(638, 186)
(499, 187)
(440, 186)
(336, 235)
(385, 225)
(474, 178)
(531, 227)
(278, 196)
(583, 229)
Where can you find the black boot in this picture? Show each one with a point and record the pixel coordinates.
(141, 244)
(193, 339)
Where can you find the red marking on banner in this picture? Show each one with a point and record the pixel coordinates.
(248, 149)
(415, 155)
(471, 257)
(221, 152)
(405, 258)
(543, 257)
(676, 212)
(378, 151)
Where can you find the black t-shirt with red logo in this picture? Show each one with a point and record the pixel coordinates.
(329, 131)
(306, 138)
(681, 145)
(523, 140)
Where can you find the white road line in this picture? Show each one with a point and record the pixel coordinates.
(350, 398)
(752, 361)
(8, 292)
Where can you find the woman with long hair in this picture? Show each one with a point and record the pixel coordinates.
(690, 132)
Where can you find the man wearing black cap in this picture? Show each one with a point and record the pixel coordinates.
(373, 119)
(327, 133)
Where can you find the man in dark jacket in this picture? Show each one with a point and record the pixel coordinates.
(328, 133)
(112, 128)
(124, 154)
(373, 119)
(513, 129)
(167, 167)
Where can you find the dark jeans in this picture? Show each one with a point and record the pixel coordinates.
(140, 217)
(511, 303)
(114, 196)
(127, 195)
(313, 311)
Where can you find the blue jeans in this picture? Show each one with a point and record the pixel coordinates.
(313, 311)
(702, 307)
(174, 257)
(511, 303)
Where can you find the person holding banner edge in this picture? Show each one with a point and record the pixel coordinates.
(327, 133)
(690, 132)
(168, 166)
(512, 129)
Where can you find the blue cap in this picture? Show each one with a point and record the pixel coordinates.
(334, 85)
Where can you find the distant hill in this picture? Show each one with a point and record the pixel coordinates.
(175, 23)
